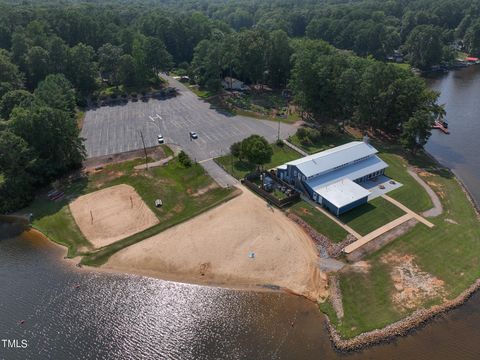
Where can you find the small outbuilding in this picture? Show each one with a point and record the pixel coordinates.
(234, 84)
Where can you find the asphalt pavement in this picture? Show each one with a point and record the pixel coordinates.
(116, 129)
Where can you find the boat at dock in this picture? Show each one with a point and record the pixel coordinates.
(441, 125)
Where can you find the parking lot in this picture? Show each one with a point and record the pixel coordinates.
(117, 129)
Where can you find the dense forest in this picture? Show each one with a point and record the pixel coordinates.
(57, 57)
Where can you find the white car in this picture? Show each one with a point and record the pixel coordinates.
(160, 138)
(193, 135)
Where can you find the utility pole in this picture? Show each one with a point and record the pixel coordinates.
(278, 134)
(145, 150)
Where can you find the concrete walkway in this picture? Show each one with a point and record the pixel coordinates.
(387, 227)
(376, 233)
(408, 211)
(296, 148)
(437, 204)
(332, 217)
(218, 174)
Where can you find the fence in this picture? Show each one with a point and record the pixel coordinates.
(295, 196)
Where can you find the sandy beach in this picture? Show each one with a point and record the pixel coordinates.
(242, 242)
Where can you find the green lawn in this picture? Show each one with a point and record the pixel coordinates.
(318, 221)
(369, 217)
(411, 194)
(201, 93)
(451, 252)
(238, 169)
(173, 183)
(404, 66)
(55, 221)
(326, 142)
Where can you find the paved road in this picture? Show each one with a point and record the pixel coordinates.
(116, 129)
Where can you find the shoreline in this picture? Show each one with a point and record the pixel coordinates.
(170, 277)
(35, 234)
(417, 319)
(403, 327)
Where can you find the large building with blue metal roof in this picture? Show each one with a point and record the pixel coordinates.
(333, 177)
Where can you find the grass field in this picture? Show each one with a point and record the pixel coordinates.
(449, 251)
(326, 142)
(369, 217)
(175, 185)
(238, 169)
(318, 221)
(411, 194)
(201, 93)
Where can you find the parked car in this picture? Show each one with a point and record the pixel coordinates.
(193, 135)
(161, 140)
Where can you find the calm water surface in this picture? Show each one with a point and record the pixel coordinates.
(460, 151)
(114, 316)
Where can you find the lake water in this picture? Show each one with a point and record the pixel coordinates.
(460, 92)
(115, 316)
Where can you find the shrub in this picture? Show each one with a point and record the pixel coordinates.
(280, 143)
(184, 159)
(236, 150)
(302, 133)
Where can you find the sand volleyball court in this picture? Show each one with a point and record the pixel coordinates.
(242, 242)
(111, 214)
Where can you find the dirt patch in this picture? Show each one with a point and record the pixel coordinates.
(203, 190)
(241, 242)
(381, 241)
(360, 267)
(438, 188)
(412, 285)
(156, 153)
(111, 214)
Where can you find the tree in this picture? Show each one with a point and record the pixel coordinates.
(157, 56)
(56, 92)
(142, 72)
(127, 74)
(207, 64)
(423, 46)
(53, 136)
(58, 54)
(109, 61)
(13, 99)
(472, 38)
(251, 55)
(257, 150)
(278, 58)
(236, 150)
(416, 131)
(38, 65)
(15, 162)
(82, 70)
(10, 76)
(314, 80)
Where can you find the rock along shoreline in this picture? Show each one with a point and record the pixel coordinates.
(412, 322)
(400, 328)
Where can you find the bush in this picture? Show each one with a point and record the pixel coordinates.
(302, 133)
(236, 150)
(280, 143)
(184, 159)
